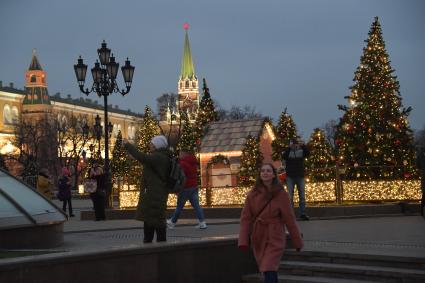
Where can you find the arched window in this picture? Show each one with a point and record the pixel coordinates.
(131, 132)
(15, 115)
(115, 130)
(63, 122)
(33, 79)
(7, 114)
(187, 84)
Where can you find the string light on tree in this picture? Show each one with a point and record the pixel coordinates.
(251, 159)
(320, 164)
(147, 130)
(285, 131)
(119, 161)
(375, 110)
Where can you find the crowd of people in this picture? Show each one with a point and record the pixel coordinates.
(267, 217)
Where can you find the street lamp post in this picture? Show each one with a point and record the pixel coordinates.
(98, 133)
(104, 84)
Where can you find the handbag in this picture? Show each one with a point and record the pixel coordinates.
(90, 185)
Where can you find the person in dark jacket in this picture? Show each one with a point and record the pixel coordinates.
(98, 197)
(64, 194)
(154, 193)
(189, 165)
(294, 157)
(420, 162)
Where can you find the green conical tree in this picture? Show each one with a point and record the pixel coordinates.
(119, 162)
(285, 131)
(206, 113)
(147, 130)
(188, 137)
(373, 136)
(251, 160)
(320, 164)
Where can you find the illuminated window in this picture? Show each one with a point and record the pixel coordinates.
(15, 115)
(7, 114)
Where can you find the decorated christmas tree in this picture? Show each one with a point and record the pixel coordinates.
(206, 113)
(147, 130)
(119, 162)
(251, 159)
(285, 131)
(320, 164)
(188, 139)
(373, 136)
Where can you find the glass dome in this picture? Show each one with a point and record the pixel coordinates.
(22, 208)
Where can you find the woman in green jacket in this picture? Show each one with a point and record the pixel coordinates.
(153, 192)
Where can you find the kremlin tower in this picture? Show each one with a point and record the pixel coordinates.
(36, 98)
(188, 87)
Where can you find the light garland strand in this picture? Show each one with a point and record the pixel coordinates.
(315, 192)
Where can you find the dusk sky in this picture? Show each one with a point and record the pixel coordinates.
(268, 54)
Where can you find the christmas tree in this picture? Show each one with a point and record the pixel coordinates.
(285, 131)
(251, 160)
(206, 113)
(147, 130)
(119, 161)
(320, 164)
(373, 136)
(188, 139)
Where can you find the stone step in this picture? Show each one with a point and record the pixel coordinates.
(358, 272)
(258, 278)
(355, 259)
(315, 212)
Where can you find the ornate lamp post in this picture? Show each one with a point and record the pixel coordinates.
(98, 133)
(104, 84)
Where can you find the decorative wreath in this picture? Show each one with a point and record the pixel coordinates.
(218, 159)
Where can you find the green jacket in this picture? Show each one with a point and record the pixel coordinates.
(154, 194)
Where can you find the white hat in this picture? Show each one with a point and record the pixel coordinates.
(159, 142)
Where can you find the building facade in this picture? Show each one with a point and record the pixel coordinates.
(34, 102)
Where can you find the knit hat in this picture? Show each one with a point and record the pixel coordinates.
(65, 171)
(159, 142)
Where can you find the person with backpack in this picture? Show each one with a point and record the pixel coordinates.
(189, 164)
(152, 204)
(64, 194)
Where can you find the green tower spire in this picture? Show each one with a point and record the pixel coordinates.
(35, 65)
(187, 70)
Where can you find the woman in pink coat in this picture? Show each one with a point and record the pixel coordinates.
(267, 214)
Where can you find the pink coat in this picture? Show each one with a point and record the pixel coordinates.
(268, 237)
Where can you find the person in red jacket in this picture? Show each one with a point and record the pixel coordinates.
(189, 165)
